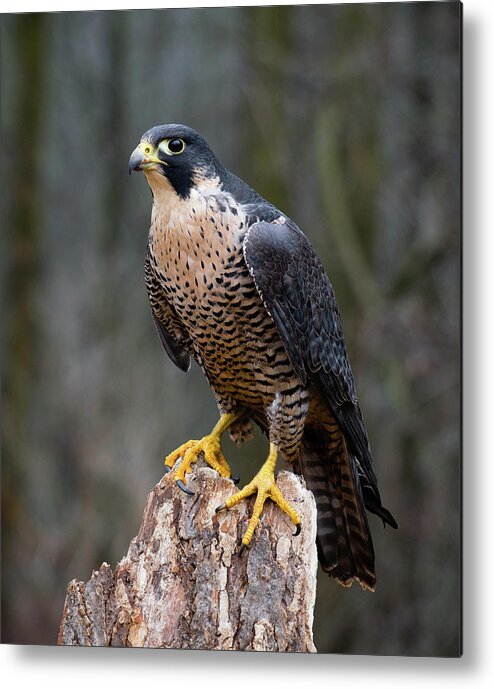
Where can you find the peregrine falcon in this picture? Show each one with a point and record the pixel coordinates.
(234, 284)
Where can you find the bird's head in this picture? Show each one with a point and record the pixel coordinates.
(174, 155)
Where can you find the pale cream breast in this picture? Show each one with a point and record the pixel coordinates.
(194, 239)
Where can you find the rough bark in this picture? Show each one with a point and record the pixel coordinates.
(184, 584)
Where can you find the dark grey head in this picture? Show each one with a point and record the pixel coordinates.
(178, 153)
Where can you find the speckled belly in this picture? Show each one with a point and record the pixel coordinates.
(234, 338)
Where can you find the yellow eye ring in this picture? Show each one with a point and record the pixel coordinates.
(172, 146)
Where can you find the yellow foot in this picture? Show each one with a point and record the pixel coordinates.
(209, 447)
(265, 485)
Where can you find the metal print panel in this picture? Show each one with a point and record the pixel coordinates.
(247, 352)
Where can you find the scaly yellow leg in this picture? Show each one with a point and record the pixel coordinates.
(209, 447)
(265, 485)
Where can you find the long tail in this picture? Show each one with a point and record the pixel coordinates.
(343, 536)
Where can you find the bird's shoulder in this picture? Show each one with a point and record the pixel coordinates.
(254, 206)
(274, 235)
(277, 251)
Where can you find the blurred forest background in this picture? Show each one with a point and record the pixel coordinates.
(345, 116)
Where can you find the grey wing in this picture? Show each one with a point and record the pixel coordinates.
(170, 329)
(298, 295)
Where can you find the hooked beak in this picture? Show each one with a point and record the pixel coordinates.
(144, 158)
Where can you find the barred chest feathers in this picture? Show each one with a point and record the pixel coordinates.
(197, 245)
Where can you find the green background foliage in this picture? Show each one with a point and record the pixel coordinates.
(347, 118)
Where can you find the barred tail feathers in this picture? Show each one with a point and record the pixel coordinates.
(344, 540)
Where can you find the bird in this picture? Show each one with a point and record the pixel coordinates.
(236, 286)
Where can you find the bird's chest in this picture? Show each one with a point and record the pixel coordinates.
(197, 248)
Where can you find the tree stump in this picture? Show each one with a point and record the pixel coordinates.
(184, 584)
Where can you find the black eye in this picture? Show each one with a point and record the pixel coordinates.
(176, 145)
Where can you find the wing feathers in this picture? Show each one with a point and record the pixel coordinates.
(300, 298)
(178, 355)
(297, 293)
(174, 339)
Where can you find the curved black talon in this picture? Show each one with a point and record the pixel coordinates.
(183, 487)
(235, 479)
(242, 549)
(298, 528)
(167, 469)
(221, 507)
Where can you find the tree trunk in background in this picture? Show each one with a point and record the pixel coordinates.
(22, 260)
(22, 241)
(183, 583)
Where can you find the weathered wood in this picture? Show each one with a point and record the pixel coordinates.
(183, 583)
